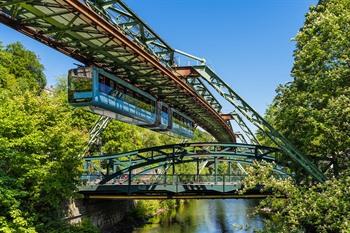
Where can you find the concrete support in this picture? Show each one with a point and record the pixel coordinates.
(104, 214)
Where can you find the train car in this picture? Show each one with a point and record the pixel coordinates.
(163, 119)
(182, 124)
(108, 95)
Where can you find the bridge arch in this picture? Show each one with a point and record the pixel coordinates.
(148, 159)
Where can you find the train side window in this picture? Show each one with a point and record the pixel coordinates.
(120, 88)
(112, 85)
(102, 82)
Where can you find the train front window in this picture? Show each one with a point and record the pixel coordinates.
(79, 85)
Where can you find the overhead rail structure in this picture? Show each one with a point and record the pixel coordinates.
(109, 35)
(205, 72)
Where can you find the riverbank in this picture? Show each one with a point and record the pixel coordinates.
(143, 213)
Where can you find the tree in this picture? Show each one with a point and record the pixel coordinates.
(313, 110)
(321, 208)
(40, 145)
(24, 66)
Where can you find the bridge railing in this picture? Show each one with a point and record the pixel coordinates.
(164, 179)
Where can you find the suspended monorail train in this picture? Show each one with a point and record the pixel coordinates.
(111, 96)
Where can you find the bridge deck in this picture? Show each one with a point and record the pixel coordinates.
(177, 196)
(153, 186)
(219, 190)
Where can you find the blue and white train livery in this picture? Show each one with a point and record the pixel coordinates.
(108, 95)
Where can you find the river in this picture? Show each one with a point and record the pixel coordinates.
(207, 216)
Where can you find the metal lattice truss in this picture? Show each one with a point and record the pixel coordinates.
(244, 127)
(146, 160)
(131, 50)
(122, 16)
(109, 35)
(96, 131)
(199, 87)
(251, 115)
(203, 91)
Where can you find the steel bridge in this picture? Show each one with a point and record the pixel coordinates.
(108, 34)
(151, 172)
(151, 186)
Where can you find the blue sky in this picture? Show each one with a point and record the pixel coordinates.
(247, 42)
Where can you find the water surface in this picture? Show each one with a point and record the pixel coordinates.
(208, 216)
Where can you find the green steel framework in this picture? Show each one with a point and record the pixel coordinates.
(246, 110)
(96, 131)
(244, 127)
(147, 159)
(108, 34)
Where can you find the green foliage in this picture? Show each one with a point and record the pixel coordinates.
(83, 227)
(41, 137)
(202, 136)
(39, 148)
(150, 209)
(262, 174)
(320, 208)
(20, 69)
(313, 110)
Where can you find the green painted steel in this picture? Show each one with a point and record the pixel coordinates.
(118, 41)
(149, 159)
(120, 15)
(72, 28)
(203, 91)
(245, 109)
(148, 183)
(96, 132)
(246, 130)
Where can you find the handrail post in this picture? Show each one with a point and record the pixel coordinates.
(165, 178)
(173, 155)
(197, 179)
(109, 166)
(223, 183)
(229, 171)
(177, 183)
(216, 169)
(129, 181)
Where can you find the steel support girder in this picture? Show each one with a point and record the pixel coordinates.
(277, 170)
(122, 16)
(13, 2)
(174, 153)
(209, 147)
(247, 132)
(149, 166)
(246, 110)
(100, 125)
(201, 89)
(86, 48)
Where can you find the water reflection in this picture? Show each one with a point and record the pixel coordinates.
(208, 216)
